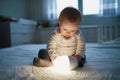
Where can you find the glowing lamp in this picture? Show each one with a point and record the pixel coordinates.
(65, 63)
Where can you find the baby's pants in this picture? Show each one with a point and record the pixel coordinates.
(42, 54)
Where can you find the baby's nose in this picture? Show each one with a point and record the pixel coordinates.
(68, 32)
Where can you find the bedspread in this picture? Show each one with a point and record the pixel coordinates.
(16, 64)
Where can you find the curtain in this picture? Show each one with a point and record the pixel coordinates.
(50, 10)
(108, 7)
(47, 10)
(41, 10)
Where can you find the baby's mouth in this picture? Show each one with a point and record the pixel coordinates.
(67, 37)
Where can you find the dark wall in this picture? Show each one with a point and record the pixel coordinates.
(5, 40)
(13, 8)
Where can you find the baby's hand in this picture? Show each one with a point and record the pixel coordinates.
(78, 57)
(53, 57)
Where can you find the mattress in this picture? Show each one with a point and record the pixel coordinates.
(103, 63)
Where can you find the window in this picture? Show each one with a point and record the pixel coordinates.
(90, 7)
(101, 7)
(61, 4)
(108, 7)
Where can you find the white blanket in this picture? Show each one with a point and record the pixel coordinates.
(16, 64)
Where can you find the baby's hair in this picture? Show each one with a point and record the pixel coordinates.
(71, 14)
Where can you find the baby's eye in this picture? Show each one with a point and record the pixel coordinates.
(73, 31)
(64, 29)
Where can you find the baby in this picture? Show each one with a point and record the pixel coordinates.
(65, 40)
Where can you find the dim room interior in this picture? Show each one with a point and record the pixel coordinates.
(25, 27)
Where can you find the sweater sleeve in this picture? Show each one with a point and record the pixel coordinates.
(80, 45)
(51, 47)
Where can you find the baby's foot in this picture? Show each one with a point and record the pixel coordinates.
(36, 61)
(41, 63)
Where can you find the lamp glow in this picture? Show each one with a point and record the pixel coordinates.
(65, 63)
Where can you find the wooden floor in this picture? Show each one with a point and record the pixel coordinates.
(103, 63)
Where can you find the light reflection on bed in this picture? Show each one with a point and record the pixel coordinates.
(16, 64)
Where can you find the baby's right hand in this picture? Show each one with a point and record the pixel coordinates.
(53, 57)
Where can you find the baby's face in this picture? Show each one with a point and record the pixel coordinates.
(68, 29)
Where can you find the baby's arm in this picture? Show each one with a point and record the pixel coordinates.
(80, 52)
(52, 47)
(80, 46)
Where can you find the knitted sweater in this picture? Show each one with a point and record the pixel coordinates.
(58, 45)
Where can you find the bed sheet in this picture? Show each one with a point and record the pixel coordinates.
(16, 64)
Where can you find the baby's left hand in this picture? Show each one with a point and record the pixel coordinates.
(78, 57)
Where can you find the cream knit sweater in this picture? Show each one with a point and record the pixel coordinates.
(58, 45)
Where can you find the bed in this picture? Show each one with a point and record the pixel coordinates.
(103, 63)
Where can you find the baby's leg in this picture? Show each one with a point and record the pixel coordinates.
(42, 54)
(43, 59)
(41, 63)
(81, 61)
